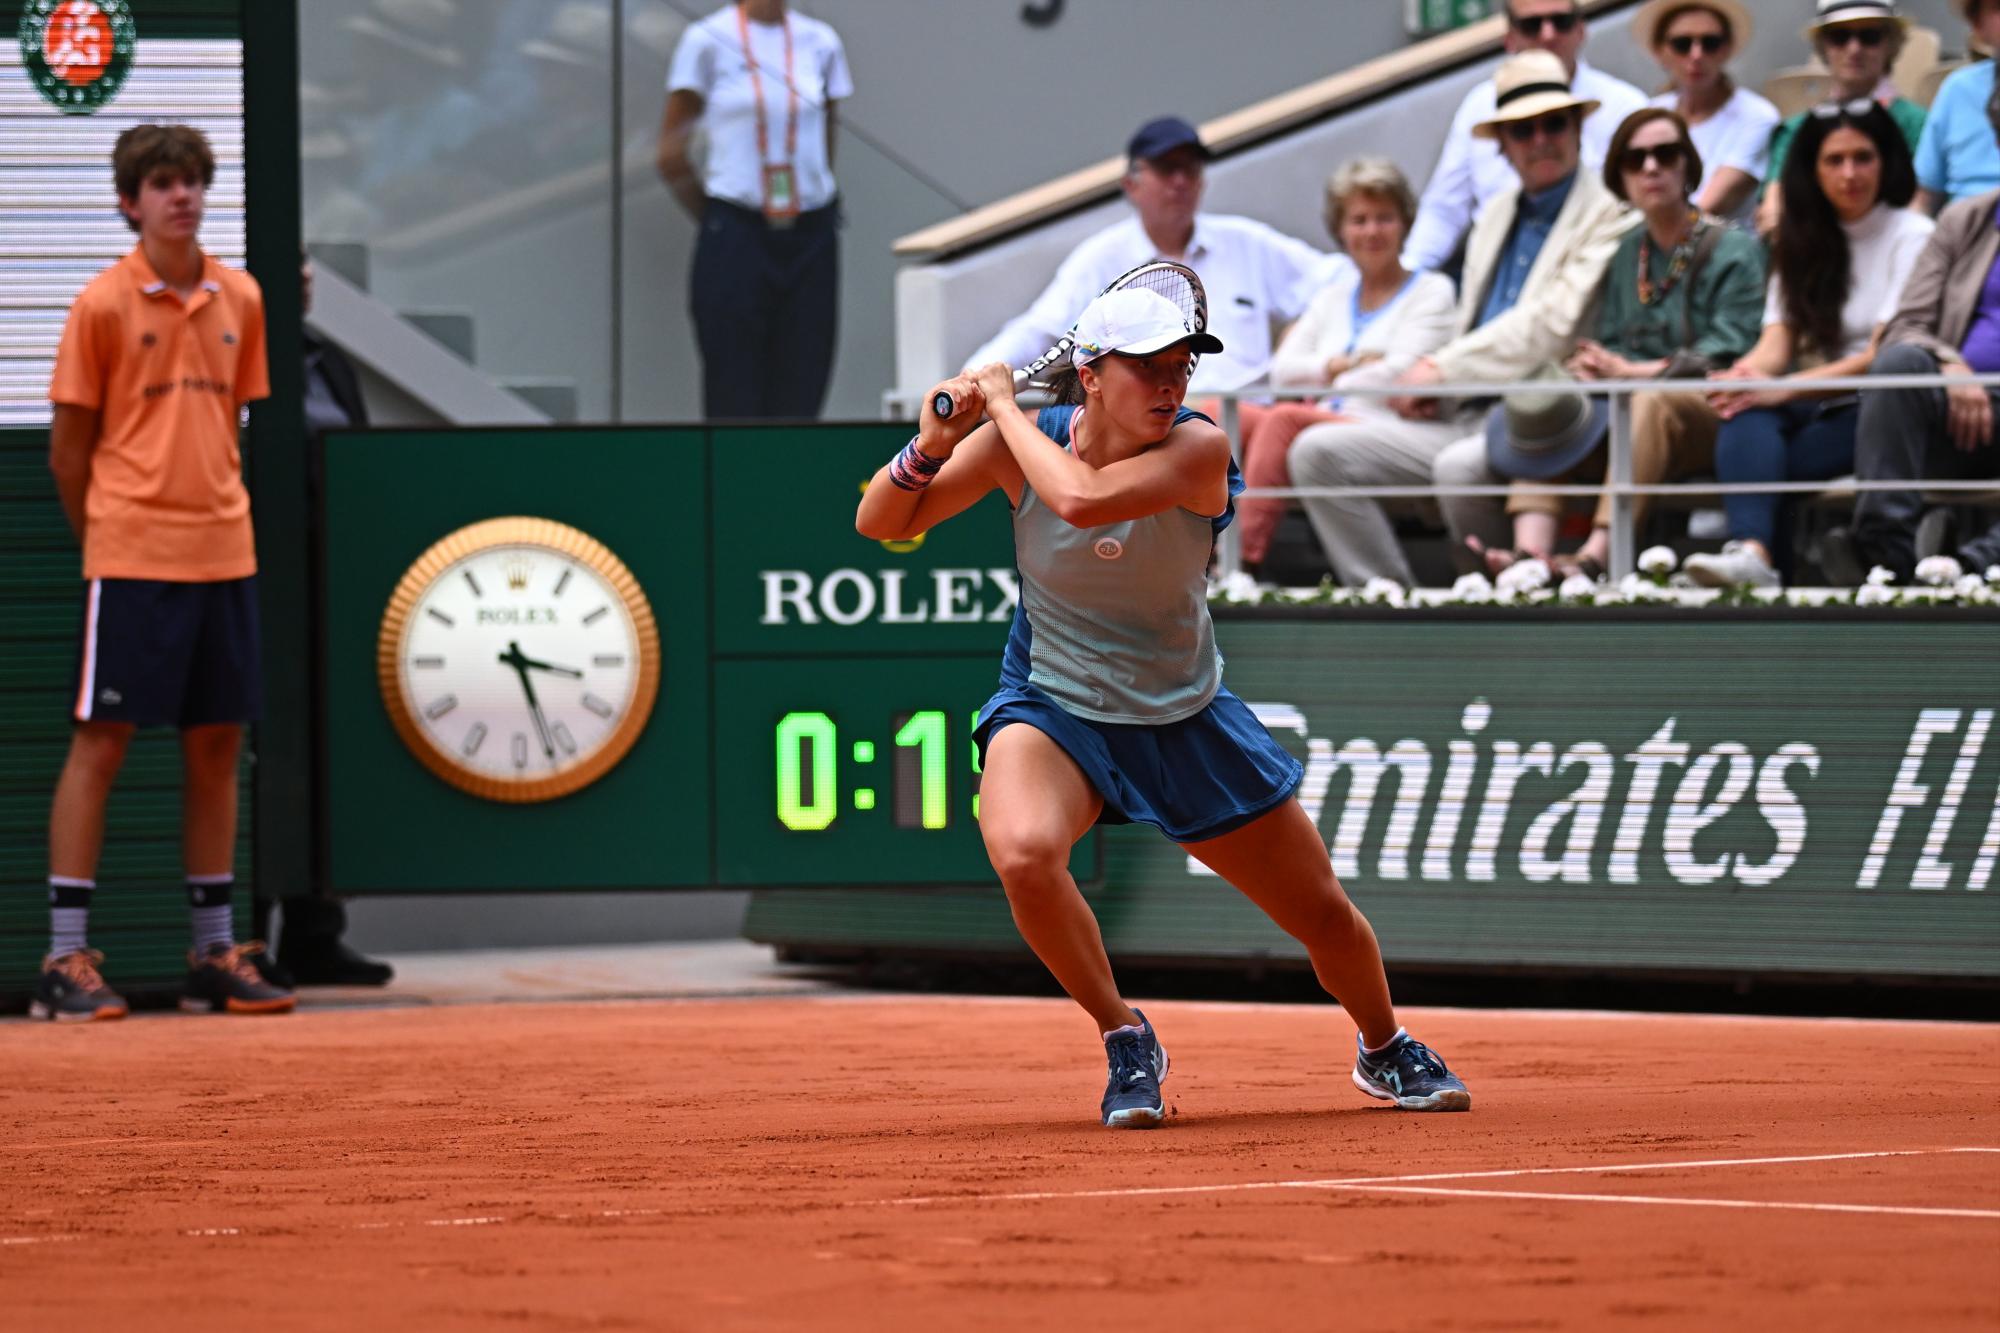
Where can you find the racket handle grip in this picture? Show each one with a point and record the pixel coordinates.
(942, 405)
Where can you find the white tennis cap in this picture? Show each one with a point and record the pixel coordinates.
(1136, 322)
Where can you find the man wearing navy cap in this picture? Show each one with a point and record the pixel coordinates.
(1253, 273)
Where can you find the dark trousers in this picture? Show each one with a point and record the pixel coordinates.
(1903, 436)
(764, 301)
(1795, 442)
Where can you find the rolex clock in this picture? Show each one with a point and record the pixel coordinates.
(518, 659)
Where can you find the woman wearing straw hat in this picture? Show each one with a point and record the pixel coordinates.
(1693, 40)
(1858, 40)
(1958, 156)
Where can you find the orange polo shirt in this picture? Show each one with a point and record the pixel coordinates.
(168, 379)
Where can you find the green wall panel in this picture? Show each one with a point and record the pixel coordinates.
(394, 826)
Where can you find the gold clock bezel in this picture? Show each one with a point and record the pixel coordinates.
(474, 538)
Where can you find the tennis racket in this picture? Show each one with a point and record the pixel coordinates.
(1176, 282)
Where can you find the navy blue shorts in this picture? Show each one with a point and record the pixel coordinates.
(1198, 778)
(161, 654)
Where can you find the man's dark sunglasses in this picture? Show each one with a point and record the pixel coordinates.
(1553, 125)
(1868, 34)
(1709, 42)
(1532, 27)
(1668, 155)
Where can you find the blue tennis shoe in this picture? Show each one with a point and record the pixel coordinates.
(1138, 1062)
(1410, 1074)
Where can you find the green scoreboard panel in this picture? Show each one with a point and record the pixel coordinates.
(838, 784)
(848, 671)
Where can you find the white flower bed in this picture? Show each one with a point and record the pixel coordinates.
(1940, 582)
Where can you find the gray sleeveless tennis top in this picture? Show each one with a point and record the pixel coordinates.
(1118, 615)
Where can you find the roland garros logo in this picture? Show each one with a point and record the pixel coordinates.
(77, 52)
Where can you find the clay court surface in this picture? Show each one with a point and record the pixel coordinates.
(935, 1163)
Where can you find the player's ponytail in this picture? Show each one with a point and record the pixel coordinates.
(1066, 387)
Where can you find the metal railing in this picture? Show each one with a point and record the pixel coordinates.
(1618, 466)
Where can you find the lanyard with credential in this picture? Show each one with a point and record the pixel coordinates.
(781, 196)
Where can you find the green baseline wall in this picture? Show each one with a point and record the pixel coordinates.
(1849, 688)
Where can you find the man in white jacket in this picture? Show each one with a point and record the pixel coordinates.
(1532, 269)
(1471, 170)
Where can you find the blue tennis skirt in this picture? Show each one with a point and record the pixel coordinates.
(1198, 778)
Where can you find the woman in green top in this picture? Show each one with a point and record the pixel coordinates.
(1684, 296)
(1858, 42)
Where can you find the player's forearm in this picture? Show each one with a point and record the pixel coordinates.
(71, 488)
(886, 509)
(72, 439)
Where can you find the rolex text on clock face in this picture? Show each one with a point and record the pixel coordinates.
(518, 663)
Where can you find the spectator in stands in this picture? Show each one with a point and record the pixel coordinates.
(1370, 323)
(1731, 126)
(1846, 243)
(1957, 157)
(1532, 267)
(1948, 320)
(1253, 273)
(1684, 297)
(766, 277)
(1472, 171)
(1858, 41)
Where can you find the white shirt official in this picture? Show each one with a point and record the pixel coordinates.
(710, 61)
(1472, 170)
(1252, 274)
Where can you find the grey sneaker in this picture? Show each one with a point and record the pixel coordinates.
(72, 990)
(1738, 566)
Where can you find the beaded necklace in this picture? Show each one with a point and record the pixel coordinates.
(1676, 267)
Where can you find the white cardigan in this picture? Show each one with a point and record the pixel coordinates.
(1417, 322)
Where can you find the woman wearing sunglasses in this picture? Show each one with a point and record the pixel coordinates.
(1731, 126)
(1858, 41)
(1846, 243)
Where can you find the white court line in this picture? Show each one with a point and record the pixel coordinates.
(1686, 1203)
(1345, 1181)
(35, 1240)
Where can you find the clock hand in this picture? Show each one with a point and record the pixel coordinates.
(549, 666)
(514, 658)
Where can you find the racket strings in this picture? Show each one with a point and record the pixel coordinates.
(1176, 288)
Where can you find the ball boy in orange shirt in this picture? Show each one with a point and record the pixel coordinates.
(160, 354)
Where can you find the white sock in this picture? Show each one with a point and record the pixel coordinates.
(208, 910)
(69, 914)
(1377, 1050)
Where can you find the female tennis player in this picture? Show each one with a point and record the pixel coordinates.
(1111, 707)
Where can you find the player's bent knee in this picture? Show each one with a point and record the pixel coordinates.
(1027, 863)
(1331, 922)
